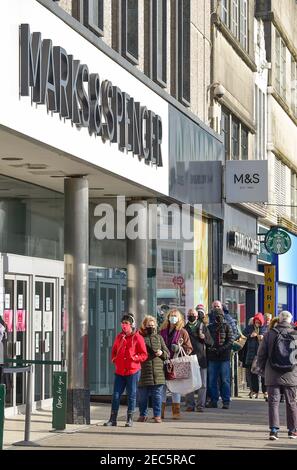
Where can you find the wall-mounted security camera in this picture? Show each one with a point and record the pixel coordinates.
(219, 91)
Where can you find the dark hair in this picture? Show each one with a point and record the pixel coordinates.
(130, 318)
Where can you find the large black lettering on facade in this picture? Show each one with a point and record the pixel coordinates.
(66, 86)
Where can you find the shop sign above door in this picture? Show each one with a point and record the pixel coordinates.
(67, 87)
(246, 181)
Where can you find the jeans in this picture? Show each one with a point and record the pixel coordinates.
(143, 394)
(190, 397)
(122, 382)
(175, 396)
(216, 370)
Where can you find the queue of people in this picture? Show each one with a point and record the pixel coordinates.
(139, 358)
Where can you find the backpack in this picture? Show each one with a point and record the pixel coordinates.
(284, 350)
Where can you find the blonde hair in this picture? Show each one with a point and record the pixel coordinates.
(273, 323)
(180, 323)
(144, 323)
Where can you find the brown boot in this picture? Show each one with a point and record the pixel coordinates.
(176, 411)
(163, 410)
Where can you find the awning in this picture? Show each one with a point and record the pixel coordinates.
(238, 274)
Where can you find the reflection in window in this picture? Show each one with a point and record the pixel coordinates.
(167, 261)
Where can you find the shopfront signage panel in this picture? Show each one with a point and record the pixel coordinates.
(246, 181)
(269, 290)
(242, 242)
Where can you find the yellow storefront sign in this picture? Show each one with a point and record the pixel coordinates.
(269, 290)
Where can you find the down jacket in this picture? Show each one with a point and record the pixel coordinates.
(152, 370)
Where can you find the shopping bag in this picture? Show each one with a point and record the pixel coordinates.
(190, 384)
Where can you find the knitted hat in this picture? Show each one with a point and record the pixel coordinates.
(285, 316)
(259, 317)
(200, 308)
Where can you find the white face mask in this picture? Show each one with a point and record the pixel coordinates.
(173, 320)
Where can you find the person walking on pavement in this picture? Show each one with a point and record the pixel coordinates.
(128, 352)
(152, 378)
(174, 335)
(218, 357)
(200, 339)
(277, 358)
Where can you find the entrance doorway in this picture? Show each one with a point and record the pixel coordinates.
(15, 315)
(43, 327)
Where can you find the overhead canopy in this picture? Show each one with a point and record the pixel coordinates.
(243, 275)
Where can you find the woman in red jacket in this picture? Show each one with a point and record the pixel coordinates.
(128, 352)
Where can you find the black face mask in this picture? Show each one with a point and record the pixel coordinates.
(200, 316)
(191, 318)
(150, 330)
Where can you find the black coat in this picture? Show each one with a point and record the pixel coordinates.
(199, 345)
(222, 342)
(251, 345)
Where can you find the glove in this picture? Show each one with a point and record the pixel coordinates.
(175, 348)
(213, 350)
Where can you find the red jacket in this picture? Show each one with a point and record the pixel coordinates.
(128, 352)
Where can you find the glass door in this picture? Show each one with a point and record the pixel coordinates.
(43, 327)
(15, 315)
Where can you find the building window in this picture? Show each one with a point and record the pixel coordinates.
(235, 139)
(129, 13)
(235, 15)
(90, 13)
(159, 57)
(167, 261)
(280, 184)
(93, 16)
(225, 130)
(294, 86)
(294, 196)
(244, 136)
(236, 144)
(280, 65)
(260, 118)
(225, 12)
(184, 51)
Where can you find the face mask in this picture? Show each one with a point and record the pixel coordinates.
(191, 318)
(126, 327)
(150, 330)
(173, 320)
(201, 315)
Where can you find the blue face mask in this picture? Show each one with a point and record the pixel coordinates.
(173, 320)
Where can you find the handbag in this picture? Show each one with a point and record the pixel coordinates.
(255, 369)
(184, 386)
(238, 344)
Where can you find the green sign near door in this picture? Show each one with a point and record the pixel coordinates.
(2, 406)
(59, 400)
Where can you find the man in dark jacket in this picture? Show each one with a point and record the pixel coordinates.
(200, 338)
(217, 305)
(275, 378)
(219, 360)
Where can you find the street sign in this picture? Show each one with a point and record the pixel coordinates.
(277, 241)
(59, 400)
(178, 281)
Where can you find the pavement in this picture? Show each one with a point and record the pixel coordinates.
(243, 426)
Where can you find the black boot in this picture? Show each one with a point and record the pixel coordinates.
(112, 420)
(129, 420)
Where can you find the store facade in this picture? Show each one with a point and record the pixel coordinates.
(71, 112)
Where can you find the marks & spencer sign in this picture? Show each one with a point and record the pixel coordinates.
(66, 86)
(246, 181)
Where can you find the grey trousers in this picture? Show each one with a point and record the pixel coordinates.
(190, 397)
(291, 406)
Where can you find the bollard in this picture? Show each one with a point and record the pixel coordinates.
(2, 406)
(59, 400)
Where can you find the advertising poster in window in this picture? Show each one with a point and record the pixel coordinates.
(21, 320)
(8, 319)
(200, 262)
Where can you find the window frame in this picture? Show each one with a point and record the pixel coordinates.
(96, 28)
(184, 43)
(124, 32)
(160, 80)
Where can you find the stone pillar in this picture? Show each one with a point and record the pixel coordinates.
(76, 264)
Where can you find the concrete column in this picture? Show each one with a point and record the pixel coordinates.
(76, 263)
(137, 261)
